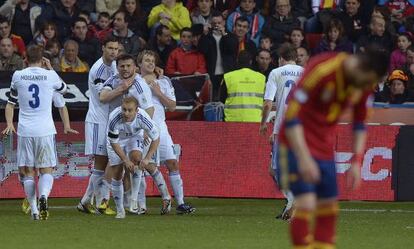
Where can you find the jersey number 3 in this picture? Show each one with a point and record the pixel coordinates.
(36, 101)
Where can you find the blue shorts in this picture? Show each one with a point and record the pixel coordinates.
(289, 178)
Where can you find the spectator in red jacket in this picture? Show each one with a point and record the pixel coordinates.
(185, 59)
(5, 32)
(103, 26)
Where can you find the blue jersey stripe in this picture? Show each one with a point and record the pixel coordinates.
(115, 121)
(138, 87)
(145, 121)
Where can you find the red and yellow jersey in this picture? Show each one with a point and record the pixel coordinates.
(320, 98)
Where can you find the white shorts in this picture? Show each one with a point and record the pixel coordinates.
(166, 148)
(39, 152)
(128, 145)
(95, 139)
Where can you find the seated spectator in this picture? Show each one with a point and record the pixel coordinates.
(377, 36)
(408, 68)
(225, 7)
(185, 59)
(124, 35)
(103, 26)
(108, 6)
(303, 56)
(23, 15)
(70, 61)
(9, 60)
(202, 14)
(255, 19)
(399, 55)
(240, 30)
(89, 49)
(297, 37)
(352, 19)
(263, 63)
(162, 43)
(47, 32)
(52, 52)
(92, 33)
(279, 25)
(400, 9)
(138, 18)
(396, 92)
(172, 14)
(5, 32)
(334, 39)
(383, 12)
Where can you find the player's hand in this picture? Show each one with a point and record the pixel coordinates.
(46, 63)
(9, 130)
(159, 71)
(353, 177)
(155, 87)
(309, 171)
(263, 129)
(126, 83)
(144, 163)
(129, 165)
(68, 130)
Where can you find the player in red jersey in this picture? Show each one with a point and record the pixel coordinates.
(331, 83)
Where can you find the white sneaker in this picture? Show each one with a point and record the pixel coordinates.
(133, 207)
(120, 215)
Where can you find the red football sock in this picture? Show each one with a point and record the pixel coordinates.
(299, 229)
(325, 227)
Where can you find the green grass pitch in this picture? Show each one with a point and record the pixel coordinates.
(218, 223)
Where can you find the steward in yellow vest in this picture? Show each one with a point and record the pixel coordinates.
(245, 90)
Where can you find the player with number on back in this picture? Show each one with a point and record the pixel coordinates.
(330, 84)
(280, 83)
(33, 88)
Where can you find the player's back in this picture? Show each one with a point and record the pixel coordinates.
(100, 72)
(35, 87)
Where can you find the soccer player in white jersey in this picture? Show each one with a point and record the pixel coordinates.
(280, 82)
(33, 89)
(138, 89)
(163, 97)
(96, 128)
(124, 137)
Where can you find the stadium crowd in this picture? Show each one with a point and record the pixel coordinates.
(206, 36)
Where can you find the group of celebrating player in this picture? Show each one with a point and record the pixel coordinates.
(125, 131)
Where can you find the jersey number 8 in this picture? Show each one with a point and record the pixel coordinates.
(36, 102)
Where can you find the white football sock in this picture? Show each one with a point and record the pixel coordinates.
(30, 191)
(89, 192)
(97, 177)
(106, 189)
(45, 184)
(142, 200)
(161, 185)
(290, 198)
(177, 186)
(135, 184)
(118, 193)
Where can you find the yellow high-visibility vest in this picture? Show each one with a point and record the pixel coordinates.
(245, 90)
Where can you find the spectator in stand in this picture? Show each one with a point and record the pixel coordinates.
(323, 11)
(334, 39)
(384, 12)
(172, 14)
(266, 43)
(399, 55)
(202, 14)
(70, 61)
(198, 31)
(9, 60)
(400, 10)
(224, 6)
(109, 6)
(255, 19)
(52, 52)
(162, 43)
(63, 13)
(220, 50)
(297, 37)
(408, 68)
(138, 18)
(397, 92)
(89, 50)
(5, 32)
(103, 26)
(377, 36)
(23, 15)
(241, 30)
(303, 56)
(91, 33)
(263, 63)
(124, 35)
(47, 32)
(185, 59)
(279, 25)
(352, 19)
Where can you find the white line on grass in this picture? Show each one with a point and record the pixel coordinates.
(376, 210)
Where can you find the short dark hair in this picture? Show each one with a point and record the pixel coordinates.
(109, 38)
(242, 19)
(160, 28)
(79, 19)
(244, 59)
(4, 19)
(216, 13)
(34, 53)
(186, 29)
(127, 18)
(288, 52)
(51, 42)
(104, 14)
(124, 57)
(263, 50)
(374, 58)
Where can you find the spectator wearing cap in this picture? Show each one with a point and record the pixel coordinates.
(399, 55)
(9, 60)
(247, 9)
(5, 32)
(185, 60)
(395, 92)
(23, 15)
(172, 14)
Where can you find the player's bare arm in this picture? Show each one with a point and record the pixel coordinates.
(353, 174)
(152, 149)
(64, 115)
(9, 112)
(127, 163)
(267, 107)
